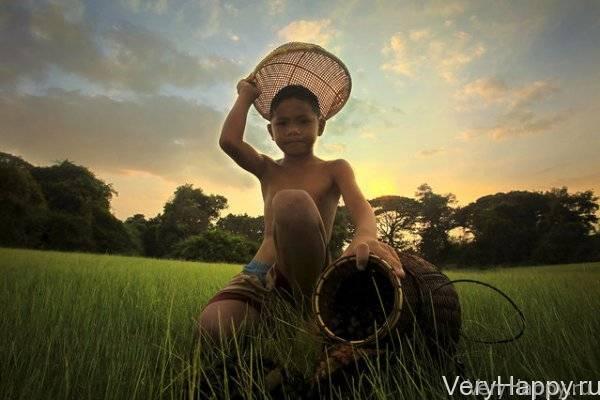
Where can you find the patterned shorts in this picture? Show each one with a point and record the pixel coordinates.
(255, 283)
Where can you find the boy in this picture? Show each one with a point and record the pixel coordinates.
(301, 194)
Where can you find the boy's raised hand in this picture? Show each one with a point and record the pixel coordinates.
(362, 249)
(247, 89)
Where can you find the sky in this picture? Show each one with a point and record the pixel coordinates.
(471, 97)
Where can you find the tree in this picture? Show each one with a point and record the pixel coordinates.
(215, 245)
(22, 204)
(436, 219)
(566, 225)
(137, 226)
(521, 226)
(250, 227)
(110, 235)
(189, 212)
(73, 189)
(396, 220)
(505, 226)
(151, 244)
(79, 215)
(342, 232)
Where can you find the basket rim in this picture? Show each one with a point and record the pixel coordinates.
(382, 331)
(292, 47)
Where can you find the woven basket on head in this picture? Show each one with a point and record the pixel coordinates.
(306, 64)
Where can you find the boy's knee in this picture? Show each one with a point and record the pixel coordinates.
(290, 205)
(223, 317)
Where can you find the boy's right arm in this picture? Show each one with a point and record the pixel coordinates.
(232, 134)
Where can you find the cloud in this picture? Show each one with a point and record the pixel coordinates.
(449, 57)
(445, 8)
(416, 35)
(516, 123)
(359, 114)
(168, 137)
(396, 50)
(211, 23)
(155, 6)
(445, 55)
(521, 123)
(275, 7)
(316, 31)
(513, 105)
(430, 152)
(487, 89)
(123, 57)
(366, 134)
(73, 9)
(493, 90)
(533, 92)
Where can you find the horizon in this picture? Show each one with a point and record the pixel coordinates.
(471, 99)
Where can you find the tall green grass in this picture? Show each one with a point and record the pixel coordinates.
(106, 327)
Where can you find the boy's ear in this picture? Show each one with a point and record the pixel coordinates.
(270, 130)
(321, 126)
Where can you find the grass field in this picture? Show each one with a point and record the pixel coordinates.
(107, 327)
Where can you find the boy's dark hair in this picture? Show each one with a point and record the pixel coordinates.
(295, 92)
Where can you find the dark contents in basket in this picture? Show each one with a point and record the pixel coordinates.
(357, 309)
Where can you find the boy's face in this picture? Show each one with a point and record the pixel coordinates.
(295, 127)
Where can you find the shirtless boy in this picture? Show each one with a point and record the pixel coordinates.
(301, 194)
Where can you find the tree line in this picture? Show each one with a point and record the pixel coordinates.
(66, 207)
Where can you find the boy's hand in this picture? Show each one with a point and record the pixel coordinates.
(362, 247)
(247, 89)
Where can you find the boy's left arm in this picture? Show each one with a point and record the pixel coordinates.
(365, 237)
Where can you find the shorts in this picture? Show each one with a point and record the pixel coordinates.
(256, 283)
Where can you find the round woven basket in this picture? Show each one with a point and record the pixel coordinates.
(357, 307)
(423, 301)
(306, 64)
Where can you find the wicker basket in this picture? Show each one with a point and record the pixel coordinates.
(421, 302)
(309, 65)
(356, 307)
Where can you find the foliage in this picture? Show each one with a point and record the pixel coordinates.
(22, 204)
(136, 227)
(505, 226)
(216, 245)
(341, 232)
(63, 207)
(73, 189)
(397, 218)
(190, 212)
(436, 219)
(66, 207)
(519, 226)
(250, 227)
(110, 235)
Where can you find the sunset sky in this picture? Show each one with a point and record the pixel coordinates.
(473, 98)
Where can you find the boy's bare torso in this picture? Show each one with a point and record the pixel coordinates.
(314, 176)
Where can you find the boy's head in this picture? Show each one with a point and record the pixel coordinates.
(298, 92)
(296, 120)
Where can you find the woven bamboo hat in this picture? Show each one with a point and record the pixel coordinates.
(306, 64)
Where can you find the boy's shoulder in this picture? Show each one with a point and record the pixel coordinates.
(340, 166)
